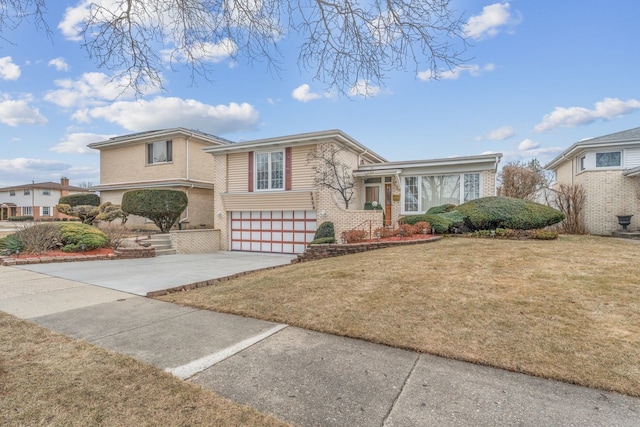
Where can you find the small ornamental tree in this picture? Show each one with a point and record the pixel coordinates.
(163, 207)
(109, 212)
(86, 213)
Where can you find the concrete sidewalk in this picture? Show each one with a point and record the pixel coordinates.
(304, 377)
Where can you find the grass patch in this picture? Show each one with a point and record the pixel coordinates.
(49, 379)
(567, 309)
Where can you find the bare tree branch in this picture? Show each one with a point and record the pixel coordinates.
(331, 172)
(344, 42)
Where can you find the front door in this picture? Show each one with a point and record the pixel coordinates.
(387, 204)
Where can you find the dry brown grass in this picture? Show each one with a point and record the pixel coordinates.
(49, 379)
(567, 309)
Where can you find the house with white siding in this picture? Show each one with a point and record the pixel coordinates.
(37, 199)
(264, 195)
(608, 168)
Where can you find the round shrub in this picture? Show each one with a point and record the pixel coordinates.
(325, 230)
(489, 213)
(12, 243)
(455, 216)
(74, 235)
(163, 207)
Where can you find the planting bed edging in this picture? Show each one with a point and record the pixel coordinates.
(123, 253)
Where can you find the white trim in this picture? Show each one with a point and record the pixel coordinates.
(460, 189)
(269, 170)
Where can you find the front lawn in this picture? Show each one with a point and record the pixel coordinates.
(567, 309)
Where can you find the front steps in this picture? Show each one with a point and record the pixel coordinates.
(161, 243)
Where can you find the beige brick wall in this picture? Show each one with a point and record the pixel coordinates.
(609, 193)
(221, 186)
(488, 183)
(128, 163)
(332, 206)
(196, 241)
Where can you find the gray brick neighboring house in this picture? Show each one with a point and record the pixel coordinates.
(608, 167)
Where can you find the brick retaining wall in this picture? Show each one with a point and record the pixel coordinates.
(315, 252)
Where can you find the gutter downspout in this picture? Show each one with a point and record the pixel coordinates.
(186, 217)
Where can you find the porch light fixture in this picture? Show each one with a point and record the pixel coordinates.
(323, 214)
(219, 214)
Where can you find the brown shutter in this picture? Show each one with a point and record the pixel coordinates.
(287, 168)
(250, 171)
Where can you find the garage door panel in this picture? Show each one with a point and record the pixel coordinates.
(272, 231)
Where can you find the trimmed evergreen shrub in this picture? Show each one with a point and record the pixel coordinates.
(325, 230)
(440, 224)
(489, 213)
(74, 235)
(80, 199)
(323, 240)
(163, 207)
(455, 216)
(441, 209)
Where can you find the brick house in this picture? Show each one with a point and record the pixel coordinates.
(160, 159)
(36, 199)
(262, 195)
(608, 168)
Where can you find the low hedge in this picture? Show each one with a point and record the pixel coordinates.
(438, 223)
(489, 213)
(21, 218)
(441, 209)
(80, 200)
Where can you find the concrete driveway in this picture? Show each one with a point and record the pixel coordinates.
(141, 276)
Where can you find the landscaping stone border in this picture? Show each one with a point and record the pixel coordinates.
(122, 253)
(316, 252)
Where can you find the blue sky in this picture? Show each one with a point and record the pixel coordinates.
(541, 75)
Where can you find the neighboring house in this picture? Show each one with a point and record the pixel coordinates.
(161, 159)
(37, 199)
(263, 195)
(608, 168)
(254, 214)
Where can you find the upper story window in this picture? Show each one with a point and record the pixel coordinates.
(46, 192)
(610, 159)
(12, 192)
(27, 192)
(582, 163)
(270, 170)
(159, 152)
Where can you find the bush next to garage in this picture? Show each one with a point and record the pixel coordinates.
(489, 213)
(163, 207)
(324, 234)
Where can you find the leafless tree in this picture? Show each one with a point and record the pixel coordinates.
(343, 42)
(332, 172)
(570, 200)
(522, 180)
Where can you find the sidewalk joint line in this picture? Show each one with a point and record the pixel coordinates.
(190, 369)
(404, 385)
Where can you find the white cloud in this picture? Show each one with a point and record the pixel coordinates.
(607, 109)
(71, 24)
(528, 144)
(473, 70)
(206, 52)
(59, 64)
(76, 143)
(364, 88)
(8, 70)
(303, 93)
(91, 89)
(491, 20)
(499, 134)
(163, 112)
(14, 112)
(23, 165)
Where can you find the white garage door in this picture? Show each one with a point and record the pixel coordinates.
(285, 232)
